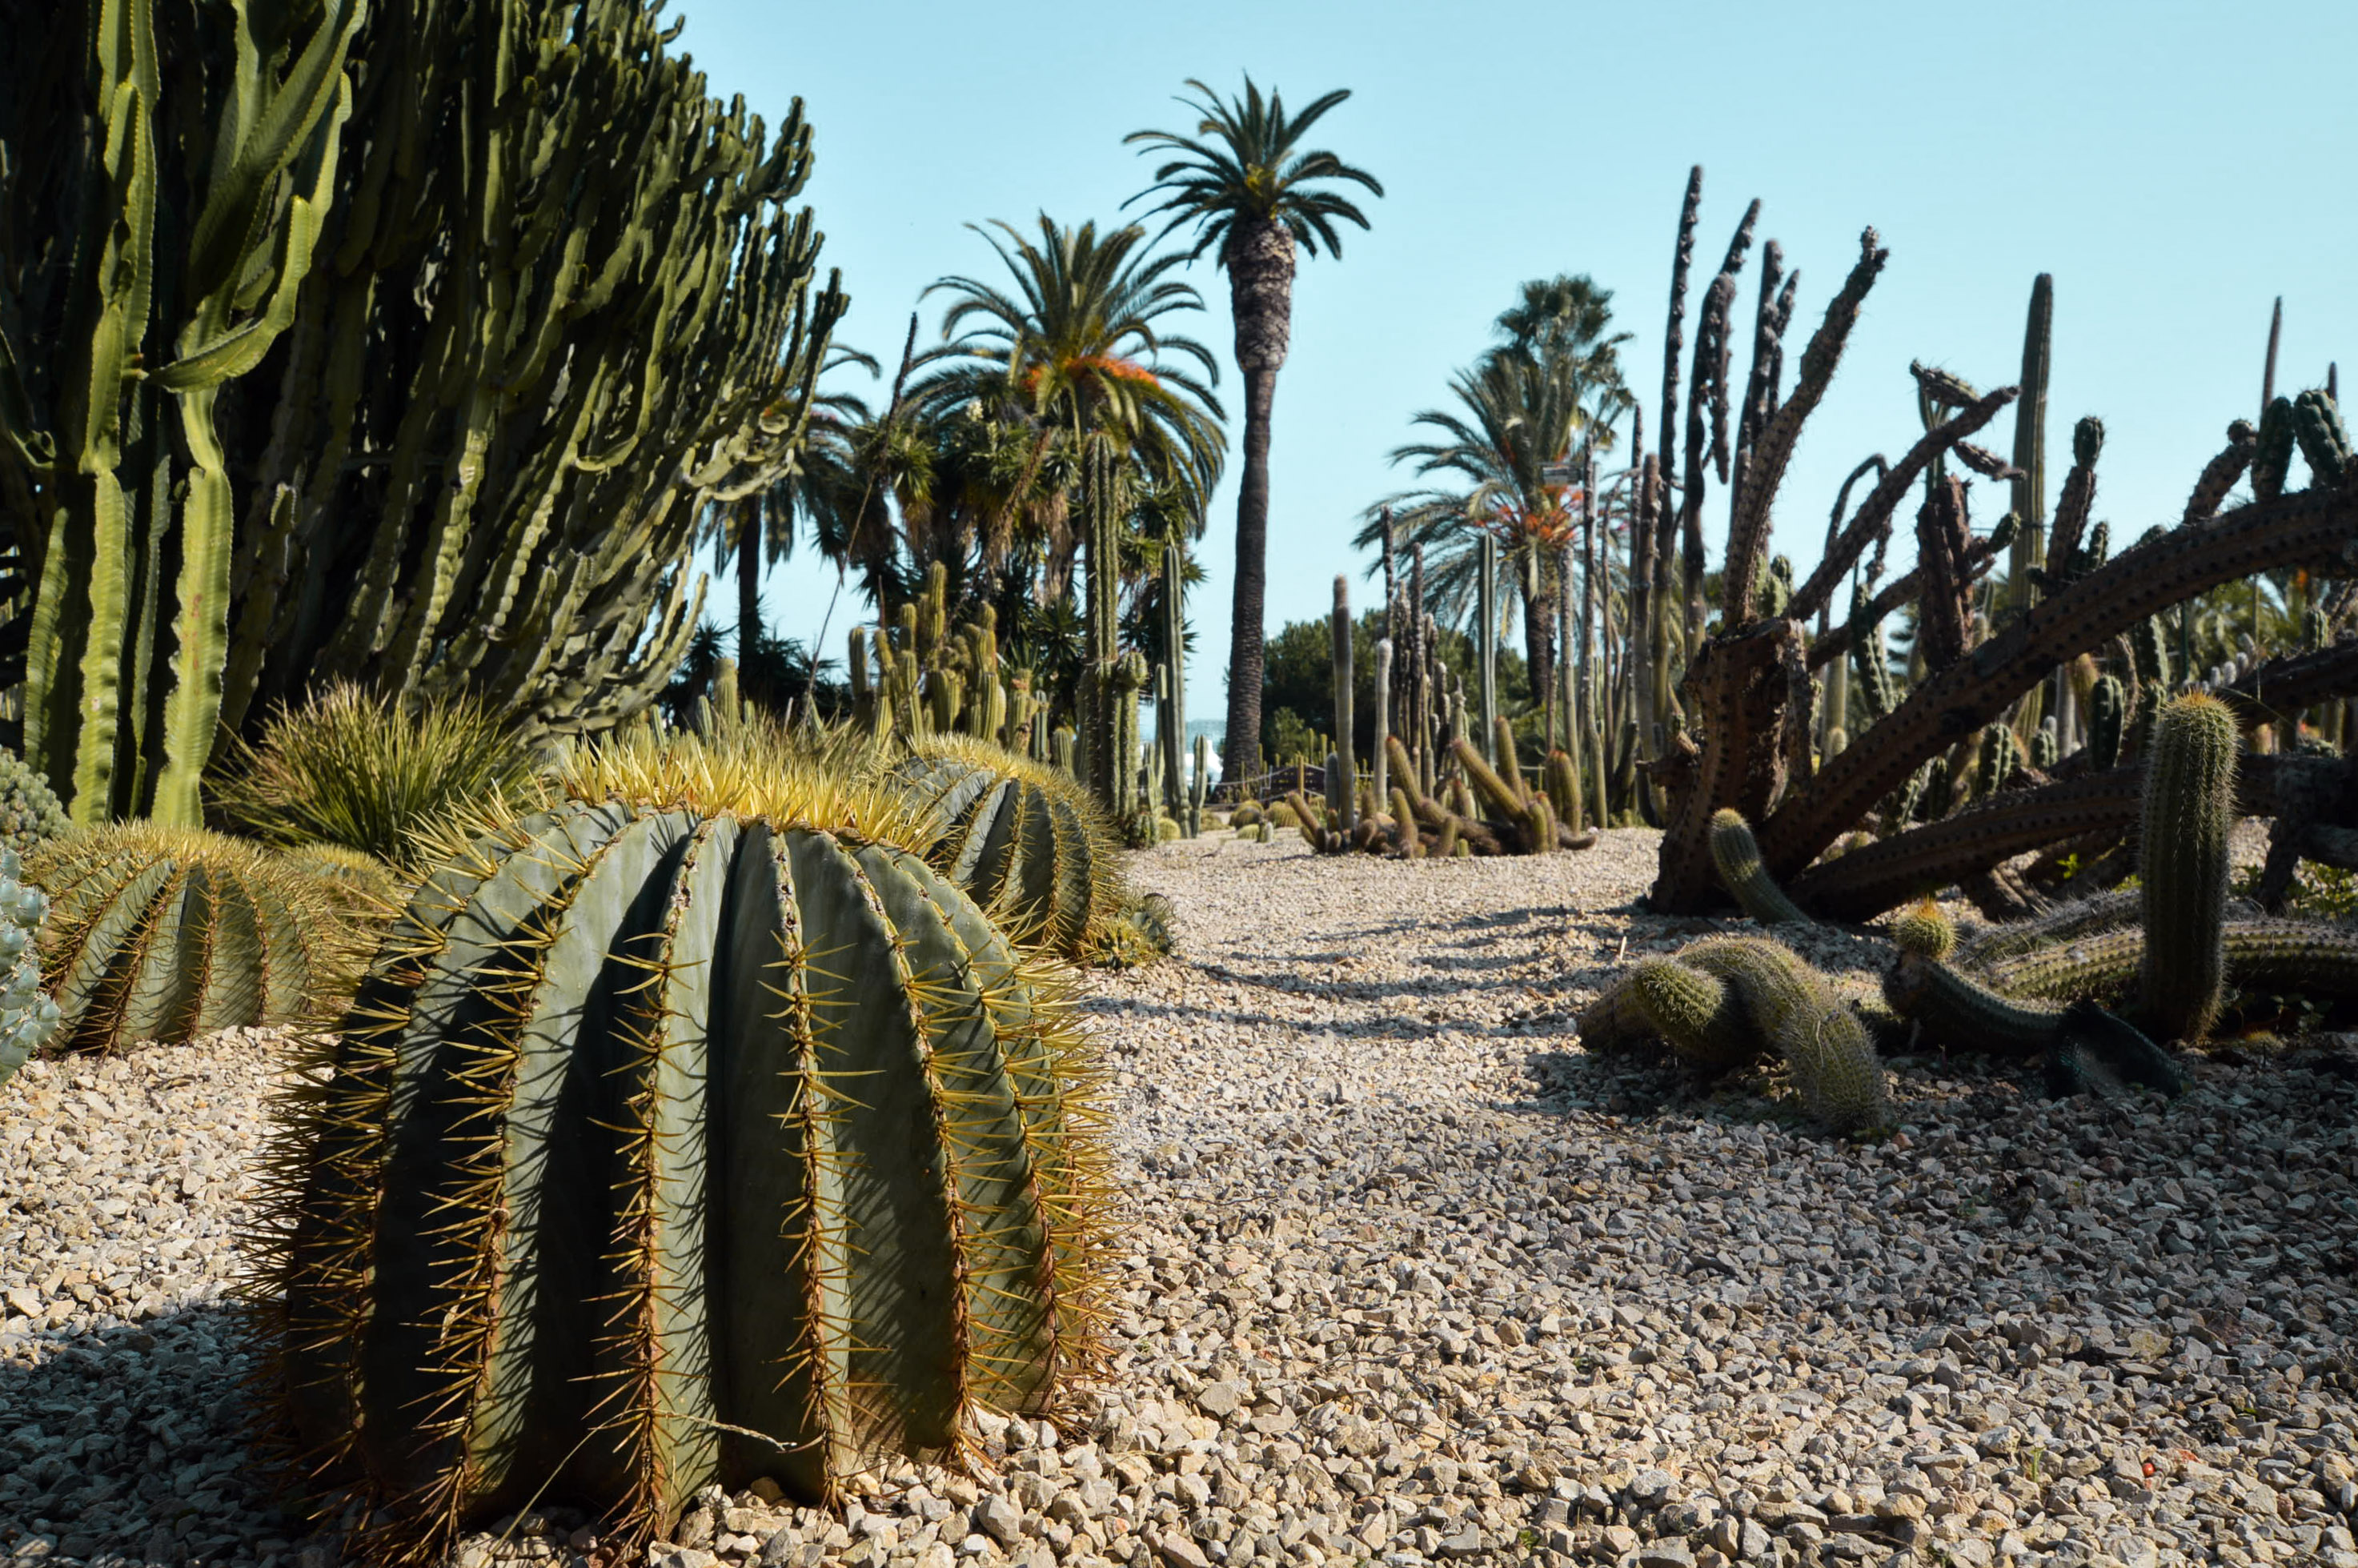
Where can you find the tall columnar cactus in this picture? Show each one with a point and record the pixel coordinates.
(182, 229)
(29, 1016)
(455, 389)
(1026, 842)
(2189, 809)
(681, 1135)
(2107, 718)
(1340, 627)
(170, 932)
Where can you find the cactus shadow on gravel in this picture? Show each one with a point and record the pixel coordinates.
(111, 1437)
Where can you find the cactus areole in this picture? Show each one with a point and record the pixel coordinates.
(668, 1147)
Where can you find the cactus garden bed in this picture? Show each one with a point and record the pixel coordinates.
(1413, 1278)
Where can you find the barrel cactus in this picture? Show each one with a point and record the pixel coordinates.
(1024, 841)
(27, 1017)
(30, 812)
(691, 1130)
(168, 933)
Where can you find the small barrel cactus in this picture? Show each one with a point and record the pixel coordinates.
(30, 812)
(168, 933)
(27, 1016)
(1027, 842)
(681, 1135)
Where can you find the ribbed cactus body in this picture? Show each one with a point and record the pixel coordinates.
(168, 933)
(2108, 705)
(29, 1016)
(1737, 854)
(1026, 842)
(2317, 426)
(669, 1147)
(2189, 809)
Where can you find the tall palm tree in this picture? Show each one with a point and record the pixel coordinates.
(1075, 349)
(1244, 184)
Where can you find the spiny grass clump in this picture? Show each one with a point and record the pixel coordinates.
(350, 767)
(689, 1130)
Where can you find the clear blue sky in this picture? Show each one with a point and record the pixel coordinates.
(2175, 166)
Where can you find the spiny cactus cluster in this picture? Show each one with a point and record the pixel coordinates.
(1725, 1002)
(692, 1131)
(1025, 841)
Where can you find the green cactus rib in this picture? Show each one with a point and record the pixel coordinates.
(1738, 860)
(668, 1148)
(1027, 842)
(2183, 859)
(1697, 1012)
(168, 933)
(28, 1017)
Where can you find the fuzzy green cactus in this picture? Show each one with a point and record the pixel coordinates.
(1923, 930)
(27, 1015)
(683, 1134)
(168, 933)
(1698, 1012)
(1996, 764)
(1027, 842)
(2108, 706)
(1767, 1002)
(2189, 809)
(1803, 1020)
(1737, 855)
(30, 812)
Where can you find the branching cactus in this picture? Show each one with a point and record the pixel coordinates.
(168, 933)
(681, 1135)
(2189, 809)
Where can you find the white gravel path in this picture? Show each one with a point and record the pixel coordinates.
(1416, 1279)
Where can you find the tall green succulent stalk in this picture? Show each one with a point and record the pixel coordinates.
(194, 225)
(676, 1142)
(462, 340)
(1345, 791)
(2189, 809)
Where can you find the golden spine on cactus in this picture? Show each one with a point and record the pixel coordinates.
(683, 1134)
(171, 933)
(1030, 844)
(1737, 854)
(2190, 810)
(1697, 1012)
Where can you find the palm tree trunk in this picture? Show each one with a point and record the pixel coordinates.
(749, 580)
(1259, 258)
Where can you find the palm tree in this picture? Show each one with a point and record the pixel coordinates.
(1242, 182)
(1075, 353)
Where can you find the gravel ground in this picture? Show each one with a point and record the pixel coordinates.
(1415, 1279)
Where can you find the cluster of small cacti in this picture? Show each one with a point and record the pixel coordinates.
(1725, 1002)
(30, 812)
(927, 678)
(694, 1130)
(28, 1015)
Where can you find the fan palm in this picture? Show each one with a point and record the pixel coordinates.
(1243, 180)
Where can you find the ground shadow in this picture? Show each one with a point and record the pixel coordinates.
(124, 1443)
